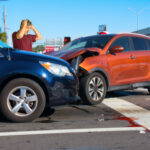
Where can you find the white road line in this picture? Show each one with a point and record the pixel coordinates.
(66, 131)
(130, 110)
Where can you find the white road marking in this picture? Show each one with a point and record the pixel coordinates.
(130, 110)
(66, 131)
(126, 108)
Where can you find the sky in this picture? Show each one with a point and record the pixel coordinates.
(75, 18)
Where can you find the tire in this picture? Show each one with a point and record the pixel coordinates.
(93, 93)
(22, 100)
(148, 89)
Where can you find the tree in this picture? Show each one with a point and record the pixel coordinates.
(3, 36)
(39, 48)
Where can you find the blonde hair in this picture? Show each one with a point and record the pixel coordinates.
(29, 23)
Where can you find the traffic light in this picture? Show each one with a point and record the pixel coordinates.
(66, 40)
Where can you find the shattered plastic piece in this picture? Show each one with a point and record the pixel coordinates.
(142, 131)
(101, 118)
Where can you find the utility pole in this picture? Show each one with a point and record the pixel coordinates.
(4, 17)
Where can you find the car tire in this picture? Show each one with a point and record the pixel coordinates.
(22, 100)
(148, 89)
(93, 89)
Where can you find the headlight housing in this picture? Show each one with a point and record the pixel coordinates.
(56, 69)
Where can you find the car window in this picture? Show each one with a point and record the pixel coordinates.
(3, 45)
(87, 42)
(124, 42)
(78, 45)
(139, 43)
(148, 42)
(99, 42)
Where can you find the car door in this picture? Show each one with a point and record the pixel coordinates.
(141, 55)
(148, 58)
(122, 65)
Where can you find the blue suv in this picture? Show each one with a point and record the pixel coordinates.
(30, 82)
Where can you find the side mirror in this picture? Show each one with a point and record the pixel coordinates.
(116, 49)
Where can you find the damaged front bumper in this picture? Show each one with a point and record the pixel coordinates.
(62, 90)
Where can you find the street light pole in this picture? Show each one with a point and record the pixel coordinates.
(137, 14)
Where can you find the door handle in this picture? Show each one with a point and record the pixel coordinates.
(132, 57)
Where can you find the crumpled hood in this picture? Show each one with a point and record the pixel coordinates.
(66, 55)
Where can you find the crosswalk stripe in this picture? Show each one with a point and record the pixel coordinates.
(130, 110)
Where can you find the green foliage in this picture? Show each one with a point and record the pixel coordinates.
(3, 36)
(39, 48)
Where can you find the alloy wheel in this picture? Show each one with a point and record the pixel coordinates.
(96, 88)
(22, 101)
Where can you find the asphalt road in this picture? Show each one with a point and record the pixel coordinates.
(79, 116)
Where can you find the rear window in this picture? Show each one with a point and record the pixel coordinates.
(139, 44)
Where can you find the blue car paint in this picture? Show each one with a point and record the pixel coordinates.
(59, 90)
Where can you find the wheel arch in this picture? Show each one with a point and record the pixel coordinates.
(103, 73)
(27, 76)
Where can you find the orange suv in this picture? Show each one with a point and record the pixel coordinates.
(108, 62)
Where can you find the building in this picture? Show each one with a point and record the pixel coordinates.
(145, 31)
(51, 44)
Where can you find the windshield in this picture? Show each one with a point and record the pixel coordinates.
(87, 42)
(3, 45)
